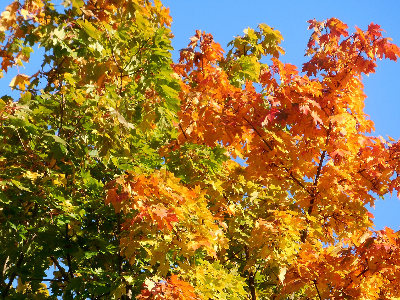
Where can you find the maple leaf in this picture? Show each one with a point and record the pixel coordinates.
(282, 273)
(375, 29)
(20, 81)
(111, 196)
(8, 17)
(304, 109)
(392, 51)
(164, 217)
(337, 27)
(338, 152)
(316, 118)
(114, 119)
(271, 116)
(194, 39)
(171, 288)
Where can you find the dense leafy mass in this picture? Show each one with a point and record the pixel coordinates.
(118, 168)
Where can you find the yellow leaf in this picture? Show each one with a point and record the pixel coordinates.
(149, 284)
(282, 274)
(77, 3)
(8, 16)
(120, 291)
(32, 175)
(24, 13)
(61, 180)
(43, 289)
(20, 80)
(22, 286)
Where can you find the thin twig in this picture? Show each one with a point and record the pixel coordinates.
(23, 145)
(71, 273)
(316, 287)
(180, 126)
(118, 237)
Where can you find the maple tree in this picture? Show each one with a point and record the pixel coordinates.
(118, 170)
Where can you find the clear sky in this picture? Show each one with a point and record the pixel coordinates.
(227, 18)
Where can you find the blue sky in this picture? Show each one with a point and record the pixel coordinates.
(225, 19)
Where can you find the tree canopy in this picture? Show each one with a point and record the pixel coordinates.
(225, 175)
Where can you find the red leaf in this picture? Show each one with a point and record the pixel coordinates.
(270, 117)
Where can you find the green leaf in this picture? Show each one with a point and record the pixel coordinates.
(89, 28)
(19, 185)
(57, 139)
(169, 91)
(77, 3)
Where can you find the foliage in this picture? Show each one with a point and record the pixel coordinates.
(119, 172)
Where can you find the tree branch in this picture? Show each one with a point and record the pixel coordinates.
(316, 287)
(20, 259)
(60, 268)
(184, 134)
(13, 275)
(252, 286)
(316, 179)
(252, 126)
(321, 160)
(71, 273)
(118, 238)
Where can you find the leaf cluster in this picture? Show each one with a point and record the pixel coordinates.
(119, 173)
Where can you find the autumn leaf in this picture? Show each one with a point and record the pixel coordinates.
(20, 81)
(226, 175)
